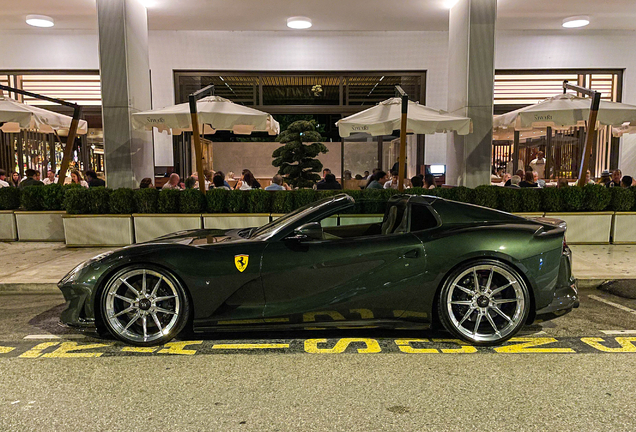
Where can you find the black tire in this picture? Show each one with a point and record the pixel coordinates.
(491, 315)
(144, 313)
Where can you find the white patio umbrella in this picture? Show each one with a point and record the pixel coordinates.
(16, 116)
(385, 117)
(214, 112)
(566, 110)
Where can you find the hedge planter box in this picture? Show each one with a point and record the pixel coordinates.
(586, 228)
(624, 231)
(40, 226)
(359, 219)
(234, 220)
(150, 226)
(98, 230)
(8, 229)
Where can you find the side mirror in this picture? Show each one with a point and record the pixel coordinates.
(309, 231)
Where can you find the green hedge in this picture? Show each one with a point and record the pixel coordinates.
(78, 200)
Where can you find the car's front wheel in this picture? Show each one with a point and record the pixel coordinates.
(484, 302)
(144, 305)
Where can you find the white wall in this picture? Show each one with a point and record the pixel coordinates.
(364, 51)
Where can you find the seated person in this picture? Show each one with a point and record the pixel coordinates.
(330, 183)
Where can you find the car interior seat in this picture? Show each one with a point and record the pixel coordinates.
(389, 223)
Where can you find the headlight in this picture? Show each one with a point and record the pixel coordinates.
(70, 276)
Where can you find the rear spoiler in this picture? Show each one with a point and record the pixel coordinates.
(550, 227)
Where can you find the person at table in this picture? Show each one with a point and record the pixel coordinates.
(30, 179)
(173, 182)
(15, 179)
(76, 178)
(277, 184)
(616, 179)
(146, 183)
(3, 179)
(538, 164)
(416, 182)
(393, 181)
(627, 181)
(528, 181)
(225, 183)
(50, 178)
(248, 182)
(429, 181)
(378, 180)
(218, 181)
(330, 183)
(93, 180)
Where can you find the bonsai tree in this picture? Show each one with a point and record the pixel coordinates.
(296, 161)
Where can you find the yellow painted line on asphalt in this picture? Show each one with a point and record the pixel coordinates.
(610, 303)
(527, 343)
(67, 350)
(372, 346)
(5, 349)
(178, 348)
(249, 346)
(36, 351)
(140, 349)
(626, 344)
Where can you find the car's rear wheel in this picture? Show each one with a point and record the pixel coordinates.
(144, 305)
(484, 302)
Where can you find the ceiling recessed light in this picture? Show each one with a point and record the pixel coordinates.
(39, 21)
(450, 3)
(577, 21)
(298, 22)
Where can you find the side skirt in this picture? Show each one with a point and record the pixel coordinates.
(236, 326)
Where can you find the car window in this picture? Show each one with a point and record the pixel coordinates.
(422, 218)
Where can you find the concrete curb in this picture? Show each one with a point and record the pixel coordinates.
(27, 288)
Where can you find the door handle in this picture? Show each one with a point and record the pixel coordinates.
(412, 254)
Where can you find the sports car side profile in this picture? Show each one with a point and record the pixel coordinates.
(480, 273)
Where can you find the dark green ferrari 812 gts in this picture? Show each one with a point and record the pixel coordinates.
(479, 272)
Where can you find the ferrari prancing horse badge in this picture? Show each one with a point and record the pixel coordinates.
(241, 262)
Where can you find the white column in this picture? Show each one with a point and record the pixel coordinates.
(471, 73)
(125, 78)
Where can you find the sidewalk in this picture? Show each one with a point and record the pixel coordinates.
(30, 266)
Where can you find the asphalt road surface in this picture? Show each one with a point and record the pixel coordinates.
(575, 373)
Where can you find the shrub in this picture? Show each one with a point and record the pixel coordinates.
(462, 194)
(572, 198)
(98, 200)
(596, 197)
(282, 201)
(217, 200)
(530, 199)
(259, 201)
(192, 201)
(303, 197)
(486, 196)
(621, 199)
(122, 201)
(237, 201)
(76, 200)
(168, 201)
(53, 197)
(31, 198)
(358, 198)
(374, 200)
(9, 198)
(509, 199)
(551, 199)
(421, 191)
(633, 189)
(146, 200)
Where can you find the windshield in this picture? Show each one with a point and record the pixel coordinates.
(273, 227)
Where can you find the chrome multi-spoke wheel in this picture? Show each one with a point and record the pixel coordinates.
(484, 302)
(144, 306)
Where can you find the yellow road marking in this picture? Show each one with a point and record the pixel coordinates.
(311, 346)
(250, 346)
(178, 348)
(65, 350)
(625, 343)
(36, 351)
(404, 345)
(525, 347)
(4, 349)
(139, 349)
(464, 349)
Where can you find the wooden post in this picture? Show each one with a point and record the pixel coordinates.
(589, 138)
(402, 159)
(515, 154)
(198, 153)
(548, 152)
(70, 140)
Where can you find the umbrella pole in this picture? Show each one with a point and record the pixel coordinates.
(402, 159)
(198, 152)
(70, 140)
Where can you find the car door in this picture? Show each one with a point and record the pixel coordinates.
(360, 278)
